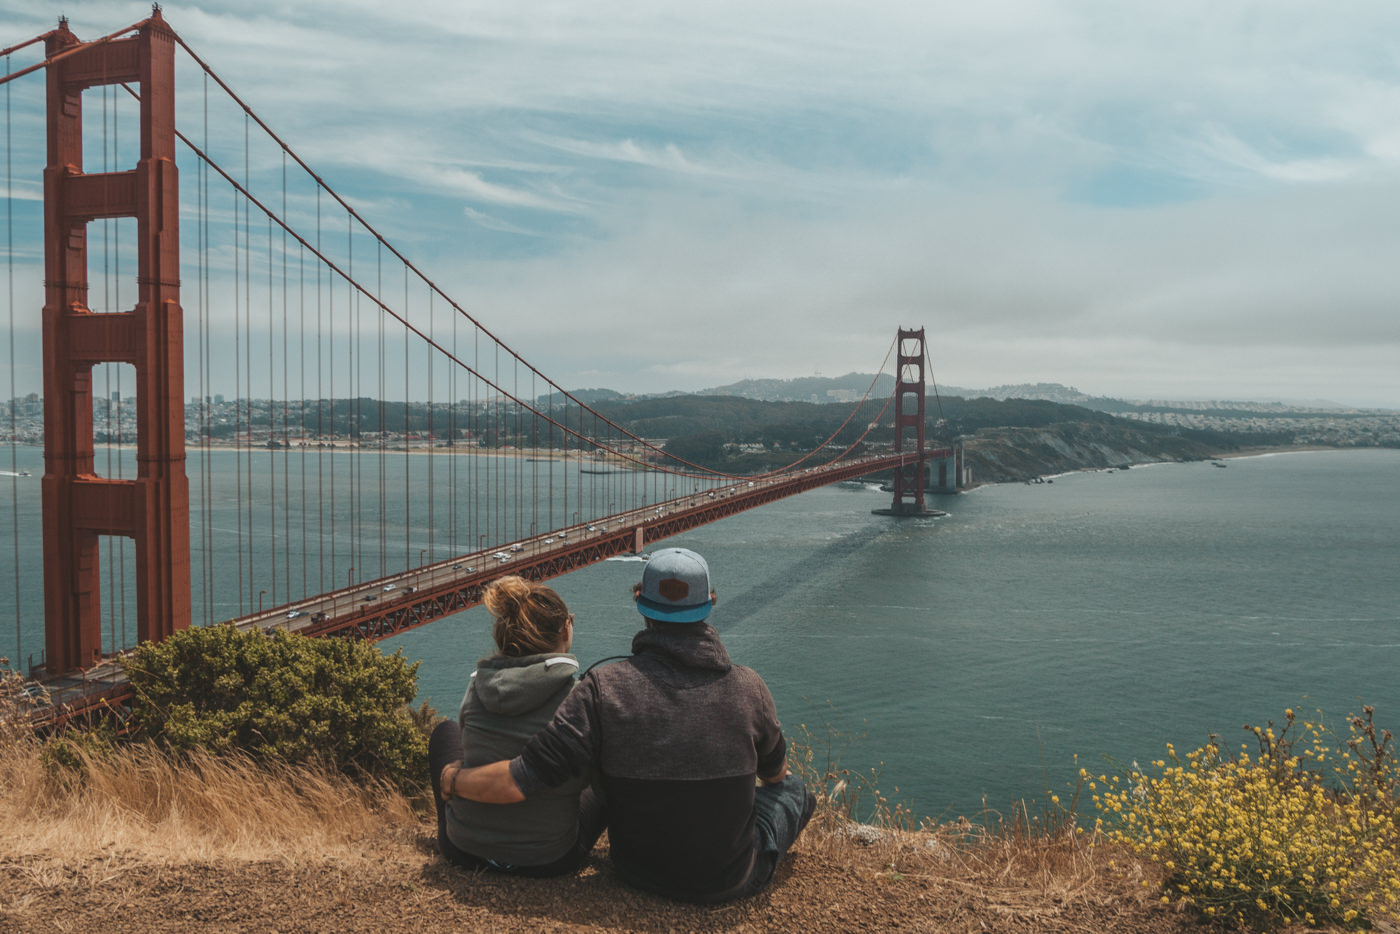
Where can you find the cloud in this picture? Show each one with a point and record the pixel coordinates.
(1130, 198)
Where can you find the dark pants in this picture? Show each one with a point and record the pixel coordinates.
(780, 813)
(445, 746)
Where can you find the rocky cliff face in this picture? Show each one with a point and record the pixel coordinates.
(1001, 455)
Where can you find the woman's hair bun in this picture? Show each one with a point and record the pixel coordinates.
(506, 597)
(530, 618)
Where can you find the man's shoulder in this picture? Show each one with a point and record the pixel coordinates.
(747, 681)
(745, 672)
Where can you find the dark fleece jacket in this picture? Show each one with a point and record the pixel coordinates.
(678, 733)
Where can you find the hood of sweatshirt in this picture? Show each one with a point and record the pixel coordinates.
(683, 645)
(514, 686)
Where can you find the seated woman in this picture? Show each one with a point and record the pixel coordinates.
(510, 696)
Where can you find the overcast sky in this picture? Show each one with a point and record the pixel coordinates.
(1146, 200)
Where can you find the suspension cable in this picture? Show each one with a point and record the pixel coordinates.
(928, 364)
(10, 286)
(372, 231)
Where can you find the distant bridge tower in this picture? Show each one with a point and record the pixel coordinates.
(909, 480)
(78, 505)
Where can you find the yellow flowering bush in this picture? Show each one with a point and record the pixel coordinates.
(1305, 830)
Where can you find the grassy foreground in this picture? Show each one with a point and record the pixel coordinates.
(132, 840)
(132, 835)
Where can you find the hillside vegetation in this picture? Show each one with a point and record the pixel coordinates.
(1004, 440)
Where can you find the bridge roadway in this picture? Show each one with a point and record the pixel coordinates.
(390, 605)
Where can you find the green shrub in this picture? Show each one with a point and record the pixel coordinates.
(1306, 834)
(335, 702)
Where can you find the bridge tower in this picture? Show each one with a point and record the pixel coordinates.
(78, 505)
(909, 479)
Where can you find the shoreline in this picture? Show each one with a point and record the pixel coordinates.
(1239, 454)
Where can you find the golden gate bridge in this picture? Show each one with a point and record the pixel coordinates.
(267, 285)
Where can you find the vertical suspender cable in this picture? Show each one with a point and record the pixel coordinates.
(432, 427)
(206, 376)
(356, 517)
(110, 473)
(352, 384)
(452, 435)
(286, 402)
(354, 375)
(324, 395)
(549, 451)
(247, 442)
(495, 489)
(10, 288)
(407, 453)
(379, 295)
(356, 362)
(474, 539)
(321, 414)
(271, 427)
(518, 532)
(301, 430)
(121, 438)
(535, 467)
(238, 350)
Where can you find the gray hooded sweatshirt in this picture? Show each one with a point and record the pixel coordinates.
(509, 700)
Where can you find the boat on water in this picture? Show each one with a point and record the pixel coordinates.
(15, 473)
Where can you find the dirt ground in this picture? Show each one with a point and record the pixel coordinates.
(403, 887)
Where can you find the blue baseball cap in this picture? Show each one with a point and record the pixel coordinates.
(675, 587)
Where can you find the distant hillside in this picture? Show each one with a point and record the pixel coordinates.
(586, 396)
(848, 388)
(1014, 439)
(1056, 392)
(852, 386)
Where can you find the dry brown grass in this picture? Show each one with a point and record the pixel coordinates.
(1017, 869)
(157, 842)
(138, 802)
(204, 843)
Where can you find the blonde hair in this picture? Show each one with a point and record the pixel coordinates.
(530, 618)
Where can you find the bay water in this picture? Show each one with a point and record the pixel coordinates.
(971, 658)
(980, 658)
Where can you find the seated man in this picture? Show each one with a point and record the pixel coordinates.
(677, 733)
